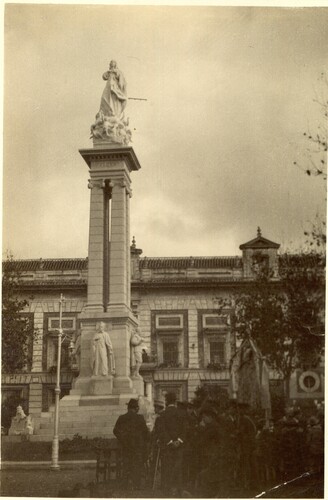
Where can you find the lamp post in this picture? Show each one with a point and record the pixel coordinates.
(55, 441)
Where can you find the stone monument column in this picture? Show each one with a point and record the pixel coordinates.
(111, 161)
(105, 382)
(108, 297)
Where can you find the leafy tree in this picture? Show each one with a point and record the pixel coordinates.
(285, 317)
(17, 329)
(214, 394)
(315, 155)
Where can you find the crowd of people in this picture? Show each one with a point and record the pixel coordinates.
(206, 452)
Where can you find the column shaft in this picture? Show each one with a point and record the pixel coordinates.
(118, 247)
(128, 253)
(96, 250)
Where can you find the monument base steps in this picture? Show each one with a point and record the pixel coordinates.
(88, 416)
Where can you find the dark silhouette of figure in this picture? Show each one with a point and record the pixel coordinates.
(170, 431)
(133, 435)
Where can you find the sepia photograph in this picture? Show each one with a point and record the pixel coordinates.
(164, 197)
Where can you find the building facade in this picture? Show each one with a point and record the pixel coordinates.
(180, 306)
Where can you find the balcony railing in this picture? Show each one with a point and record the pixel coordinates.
(217, 367)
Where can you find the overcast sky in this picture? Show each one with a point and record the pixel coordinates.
(230, 92)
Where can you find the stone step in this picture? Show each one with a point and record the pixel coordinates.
(46, 414)
(78, 418)
(40, 437)
(69, 435)
(91, 411)
(46, 425)
(90, 418)
(82, 430)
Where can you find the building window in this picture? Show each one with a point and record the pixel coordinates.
(214, 339)
(260, 263)
(170, 353)
(217, 353)
(48, 394)
(50, 343)
(64, 353)
(169, 338)
(30, 339)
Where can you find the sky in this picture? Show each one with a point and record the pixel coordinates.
(230, 92)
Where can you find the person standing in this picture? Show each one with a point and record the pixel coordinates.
(290, 436)
(133, 435)
(246, 440)
(170, 431)
(228, 422)
(154, 457)
(211, 480)
(190, 452)
(315, 442)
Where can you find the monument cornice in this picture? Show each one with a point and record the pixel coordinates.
(98, 154)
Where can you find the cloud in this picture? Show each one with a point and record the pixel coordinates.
(228, 98)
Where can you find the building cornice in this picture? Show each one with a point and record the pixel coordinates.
(45, 285)
(192, 283)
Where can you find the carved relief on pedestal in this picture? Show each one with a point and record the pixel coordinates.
(102, 359)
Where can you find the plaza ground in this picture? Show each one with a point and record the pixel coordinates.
(43, 482)
(79, 482)
(70, 481)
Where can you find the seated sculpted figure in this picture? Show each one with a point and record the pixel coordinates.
(21, 424)
(102, 354)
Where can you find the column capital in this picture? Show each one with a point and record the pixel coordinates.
(99, 183)
(127, 187)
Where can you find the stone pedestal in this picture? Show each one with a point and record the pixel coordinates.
(138, 384)
(100, 386)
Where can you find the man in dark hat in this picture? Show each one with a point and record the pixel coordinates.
(170, 432)
(246, 440)
(190, 451)
(133, 436)
(209, 435)
(210, 480)
(228, 422)
(159, 406)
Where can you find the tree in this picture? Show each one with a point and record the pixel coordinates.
(285, 317)
(315, 161)
(213, 394)
(17, 328)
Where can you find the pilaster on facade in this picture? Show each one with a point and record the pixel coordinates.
(37, 341)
